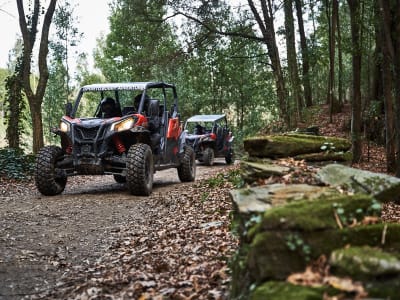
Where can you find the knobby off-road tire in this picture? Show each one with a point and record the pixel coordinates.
(230, 157)
(139, 170)
(208, 157)
(49, 180)
(119, 178)
(187, 167)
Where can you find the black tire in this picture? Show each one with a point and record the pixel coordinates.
(230, 157)
(140, 170)
(119, 178)
(49, 180)
(187, 167)
(208, 156)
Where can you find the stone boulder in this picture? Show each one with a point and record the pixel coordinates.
(383, 187)
(292, 145)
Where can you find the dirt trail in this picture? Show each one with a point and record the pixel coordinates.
(41, 238)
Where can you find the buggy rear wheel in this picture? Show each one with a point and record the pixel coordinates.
(49, 180)
(139, 170)
(187, 168)
(208, 156)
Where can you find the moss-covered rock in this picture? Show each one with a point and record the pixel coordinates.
(289, 145)
(364, 263)
(250, 203)
(252, 171)
(274, 290)
(383, 187)
(326, 156)
(326, 212)
(275, 254)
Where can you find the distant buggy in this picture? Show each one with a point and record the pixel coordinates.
(128, 130)
(210, 137)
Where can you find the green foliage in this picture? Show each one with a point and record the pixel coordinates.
(15, 103)
(59, 85)
(233, 176)
(216, 181)
(328, 147)
(347, 217)
(14, 164)
(296, 243)
(140, 46)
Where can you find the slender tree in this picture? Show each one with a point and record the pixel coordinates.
(390, 15)
(304, 55)
(66, 36)
(265, 21)
(29, 28)
(356, 121)
(292, 59)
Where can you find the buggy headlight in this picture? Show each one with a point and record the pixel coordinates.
(123, 125)
(64, 126)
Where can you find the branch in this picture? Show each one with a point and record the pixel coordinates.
(216, 31)
(43, 50)
(27, 50)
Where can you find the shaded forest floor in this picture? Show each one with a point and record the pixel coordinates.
(373, 158)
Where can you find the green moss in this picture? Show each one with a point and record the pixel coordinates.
(291, 145)
(325, 156)
(364, 262)
(319, 214)
(270, 255)
(385, 288)
(274, 290)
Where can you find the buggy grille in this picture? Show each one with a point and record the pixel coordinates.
(85, 133)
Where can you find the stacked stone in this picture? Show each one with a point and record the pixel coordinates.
(285, 229)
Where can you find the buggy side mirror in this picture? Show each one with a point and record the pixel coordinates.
(68, 109)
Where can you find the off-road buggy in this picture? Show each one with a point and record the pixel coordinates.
(210, 137)
(133, 129)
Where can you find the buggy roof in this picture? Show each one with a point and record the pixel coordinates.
(205, 118)
(124, 86)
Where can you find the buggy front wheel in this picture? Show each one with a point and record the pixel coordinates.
(187, 167)
(139, 170)
(49, 180)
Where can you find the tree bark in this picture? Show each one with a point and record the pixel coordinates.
(304, 56)
(356, 121)
(332, 18)
(266, 25)
(35, 98)
(387, 87)
(292, 60)
(340, 62)
(396, 60)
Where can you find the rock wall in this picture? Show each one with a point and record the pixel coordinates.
(302, 241)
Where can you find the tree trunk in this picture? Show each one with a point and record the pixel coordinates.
(268, 32)
(304, 56)
(340, 61)
(291, 57)
(332, 18)
(396, 60)
(35, 98)
(356, 121)
(387, 86)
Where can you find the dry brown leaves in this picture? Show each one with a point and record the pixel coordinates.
(317, 274)
(179, 251)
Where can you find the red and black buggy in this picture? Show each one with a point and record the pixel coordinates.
(128, 130)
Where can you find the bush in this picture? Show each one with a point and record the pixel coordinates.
(14, 164)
